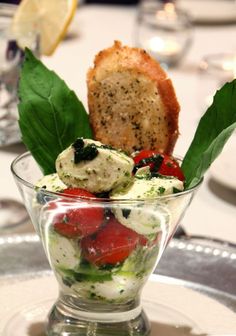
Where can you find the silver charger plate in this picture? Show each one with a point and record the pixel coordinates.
(203, 265)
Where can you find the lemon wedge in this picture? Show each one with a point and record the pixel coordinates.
(49, 18)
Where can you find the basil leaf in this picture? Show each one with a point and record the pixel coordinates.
(51, 117)
(214, 129)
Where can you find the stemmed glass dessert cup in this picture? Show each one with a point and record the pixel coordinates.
(100, 281)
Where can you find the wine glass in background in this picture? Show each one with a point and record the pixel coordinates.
(11, 57)
(164, 30)
(12, 212)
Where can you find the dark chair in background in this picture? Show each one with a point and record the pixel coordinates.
(115, 2)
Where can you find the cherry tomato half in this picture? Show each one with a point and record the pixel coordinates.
(77, 219)
(112, 244)
(158, 162)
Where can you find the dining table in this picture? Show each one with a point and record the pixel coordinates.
(210, 218)
(95, 27)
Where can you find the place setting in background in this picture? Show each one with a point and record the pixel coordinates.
(25, 26)
(12, 43)
(22, 27)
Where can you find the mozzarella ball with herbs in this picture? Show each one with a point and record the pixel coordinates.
(51, 182)
(93, 166)
(64, 253)
(148, 217)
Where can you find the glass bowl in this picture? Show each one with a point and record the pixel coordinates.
(101, 269)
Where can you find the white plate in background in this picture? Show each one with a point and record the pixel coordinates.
(210, 11)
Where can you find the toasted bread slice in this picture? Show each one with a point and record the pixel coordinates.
(132, 102)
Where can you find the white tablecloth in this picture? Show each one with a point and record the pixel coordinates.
(213, 211)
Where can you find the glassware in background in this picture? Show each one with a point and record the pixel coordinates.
(40, 26)
(163, 30)
(12, 212)
(11, 56)
(214, 71)
(101, 271)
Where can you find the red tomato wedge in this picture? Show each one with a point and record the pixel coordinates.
(112, 244)
(158, 162)
(77, 219)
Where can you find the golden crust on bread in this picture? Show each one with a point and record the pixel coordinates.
(132, 102)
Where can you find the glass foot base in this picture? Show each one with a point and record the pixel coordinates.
(61, 325)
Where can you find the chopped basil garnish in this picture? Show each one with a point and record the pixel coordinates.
(161, 190)
(126, 213)
(107, 147)
(87, 153)
(78, 144)
(156, 159)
